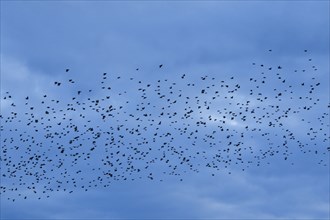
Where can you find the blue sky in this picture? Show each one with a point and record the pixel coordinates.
(220, 39)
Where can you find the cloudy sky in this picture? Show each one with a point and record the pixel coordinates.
(221, 39)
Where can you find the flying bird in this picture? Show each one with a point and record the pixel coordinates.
(106, 132)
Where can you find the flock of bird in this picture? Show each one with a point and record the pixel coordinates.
(120, 128)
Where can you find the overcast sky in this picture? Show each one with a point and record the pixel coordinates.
(221, 39)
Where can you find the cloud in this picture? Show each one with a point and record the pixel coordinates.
(241, 195)
(221, 39)
(238, 195)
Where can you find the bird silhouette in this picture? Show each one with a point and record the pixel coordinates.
(151, 128)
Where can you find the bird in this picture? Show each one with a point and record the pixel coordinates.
(180, 125)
